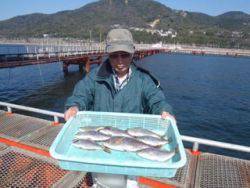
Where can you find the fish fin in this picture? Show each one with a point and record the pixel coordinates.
(170, 139)
(167, 139)
(176, 149)
(99, 128)
(74, 140)
(164, 135)
(107, 150)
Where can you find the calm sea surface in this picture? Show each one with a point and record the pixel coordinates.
(210, 95)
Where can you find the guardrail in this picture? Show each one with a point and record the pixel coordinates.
(196, 141)
(56, 115)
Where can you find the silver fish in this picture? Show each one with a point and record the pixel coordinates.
(87, 144)
(91, 135)
(124, 144)
(113, 131)
(156, 154)
(138, 131)
(90, 128)
(153, 141)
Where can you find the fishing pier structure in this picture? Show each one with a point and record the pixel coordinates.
(86, 54)
(83, 55)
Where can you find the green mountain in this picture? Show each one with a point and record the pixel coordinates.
(231, 29)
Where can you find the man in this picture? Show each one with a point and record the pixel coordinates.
(118, 85)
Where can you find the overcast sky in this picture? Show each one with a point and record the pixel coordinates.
(11, 8)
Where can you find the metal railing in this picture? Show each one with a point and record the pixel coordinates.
(196, 141)
(9, 106)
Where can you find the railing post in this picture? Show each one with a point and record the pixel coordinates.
(195, 150)
(195, 146)
(9, 110)
(56, 121)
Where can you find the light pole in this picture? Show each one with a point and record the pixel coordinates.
(90, 40)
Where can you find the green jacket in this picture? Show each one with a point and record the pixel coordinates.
(96, 92)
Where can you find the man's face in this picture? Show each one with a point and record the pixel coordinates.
(120, 62)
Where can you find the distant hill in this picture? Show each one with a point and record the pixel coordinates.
(231, 29)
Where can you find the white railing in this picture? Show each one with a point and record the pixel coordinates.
(9, 106)
(196, 141)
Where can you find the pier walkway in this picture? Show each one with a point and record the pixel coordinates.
(25, 161)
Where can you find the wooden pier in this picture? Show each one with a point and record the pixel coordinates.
(26, 162)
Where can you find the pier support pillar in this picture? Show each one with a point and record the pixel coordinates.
(87, 66)
(80, 67)
(65, 68)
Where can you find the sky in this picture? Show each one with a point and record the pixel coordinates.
(11, 8)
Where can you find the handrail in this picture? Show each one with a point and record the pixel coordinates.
(194, 140)
(56, 115)
(208, 142)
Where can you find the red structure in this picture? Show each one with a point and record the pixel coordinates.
(84, 61)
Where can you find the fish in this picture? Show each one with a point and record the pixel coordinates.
(156, 154)
(138, 131)
(89, 145)
(121, 143)
(86, 144)
(153, 141)
(90, 128)
(91, 135)
(113, 131)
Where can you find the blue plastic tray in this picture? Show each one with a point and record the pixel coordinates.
(116, 162)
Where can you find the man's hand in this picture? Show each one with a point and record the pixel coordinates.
(70, 112)
(165, 115)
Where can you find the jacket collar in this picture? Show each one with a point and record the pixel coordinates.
(145, 70)
(105, 71)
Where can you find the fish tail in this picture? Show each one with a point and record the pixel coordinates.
(176, 149)
(74, 140)
(167, 139)
(100, 128)
(107, 150)
(165, 134)
(170, 139)
(158, 146)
